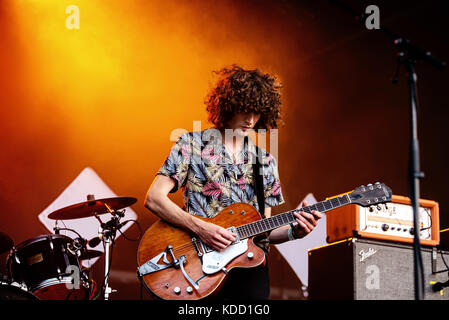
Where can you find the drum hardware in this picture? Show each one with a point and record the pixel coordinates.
(78, 246)
(107, 234)
(91, 208)
(107, 231)
(44, 267)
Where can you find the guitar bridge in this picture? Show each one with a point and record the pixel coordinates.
(153, 264)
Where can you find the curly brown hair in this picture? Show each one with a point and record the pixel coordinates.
(239, 90)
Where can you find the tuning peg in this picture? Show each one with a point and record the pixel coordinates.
(369, 184)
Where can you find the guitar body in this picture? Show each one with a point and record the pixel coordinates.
(162, 283)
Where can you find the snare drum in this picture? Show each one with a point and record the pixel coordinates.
(49, 268)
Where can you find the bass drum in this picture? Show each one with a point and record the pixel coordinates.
(49, 268)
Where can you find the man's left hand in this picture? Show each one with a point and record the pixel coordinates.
(306, 222)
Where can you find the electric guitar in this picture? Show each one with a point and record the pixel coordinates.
(173, 264)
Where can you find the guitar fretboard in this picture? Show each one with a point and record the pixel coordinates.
(258, 227)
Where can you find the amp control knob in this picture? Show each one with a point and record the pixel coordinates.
(385, 227)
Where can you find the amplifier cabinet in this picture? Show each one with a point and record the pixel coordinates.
(390, 221)
(366, 269)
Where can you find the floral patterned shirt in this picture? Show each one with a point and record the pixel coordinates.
(211, 181)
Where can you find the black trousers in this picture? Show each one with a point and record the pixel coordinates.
(246, 284)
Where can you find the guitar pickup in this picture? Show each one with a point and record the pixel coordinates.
(202, 248)
(234, 231)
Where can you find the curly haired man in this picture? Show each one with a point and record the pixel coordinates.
(215, 169)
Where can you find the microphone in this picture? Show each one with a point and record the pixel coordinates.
(95, 241)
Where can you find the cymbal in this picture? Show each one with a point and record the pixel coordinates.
(6, 242)
(91, 207)
(90, 254)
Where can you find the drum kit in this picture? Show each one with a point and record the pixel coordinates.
(48, 267)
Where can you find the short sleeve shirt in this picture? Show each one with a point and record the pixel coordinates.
(209, 178)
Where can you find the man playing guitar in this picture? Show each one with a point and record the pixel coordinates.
(214, 169)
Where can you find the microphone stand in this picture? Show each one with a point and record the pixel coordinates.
(406, 58)
(408, 55)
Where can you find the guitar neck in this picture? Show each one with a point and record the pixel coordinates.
(264, 225)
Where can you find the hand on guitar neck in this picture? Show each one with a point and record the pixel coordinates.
(219, 238)
(306, 222)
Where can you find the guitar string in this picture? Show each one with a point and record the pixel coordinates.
(247, 228)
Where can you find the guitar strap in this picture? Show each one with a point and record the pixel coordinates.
(258, 186)
(261, 240)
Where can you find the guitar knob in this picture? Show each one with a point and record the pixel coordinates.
(250, 255)
(189, 290)
(177, 290)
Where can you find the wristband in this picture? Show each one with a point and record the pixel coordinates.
(290, 233)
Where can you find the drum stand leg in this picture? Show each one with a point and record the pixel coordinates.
(107, 288)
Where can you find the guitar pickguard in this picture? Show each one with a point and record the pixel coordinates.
(215, 261)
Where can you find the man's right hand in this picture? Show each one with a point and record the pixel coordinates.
(157, 200)
(214, 236)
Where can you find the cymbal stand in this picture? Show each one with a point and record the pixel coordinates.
(107, 289)
(108, 232)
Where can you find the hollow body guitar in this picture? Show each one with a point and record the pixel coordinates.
(175, 265)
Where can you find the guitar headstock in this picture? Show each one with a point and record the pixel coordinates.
(371, 194)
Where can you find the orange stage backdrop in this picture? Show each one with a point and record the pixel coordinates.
(108, 95)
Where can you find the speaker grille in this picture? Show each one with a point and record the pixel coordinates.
(373, 270)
